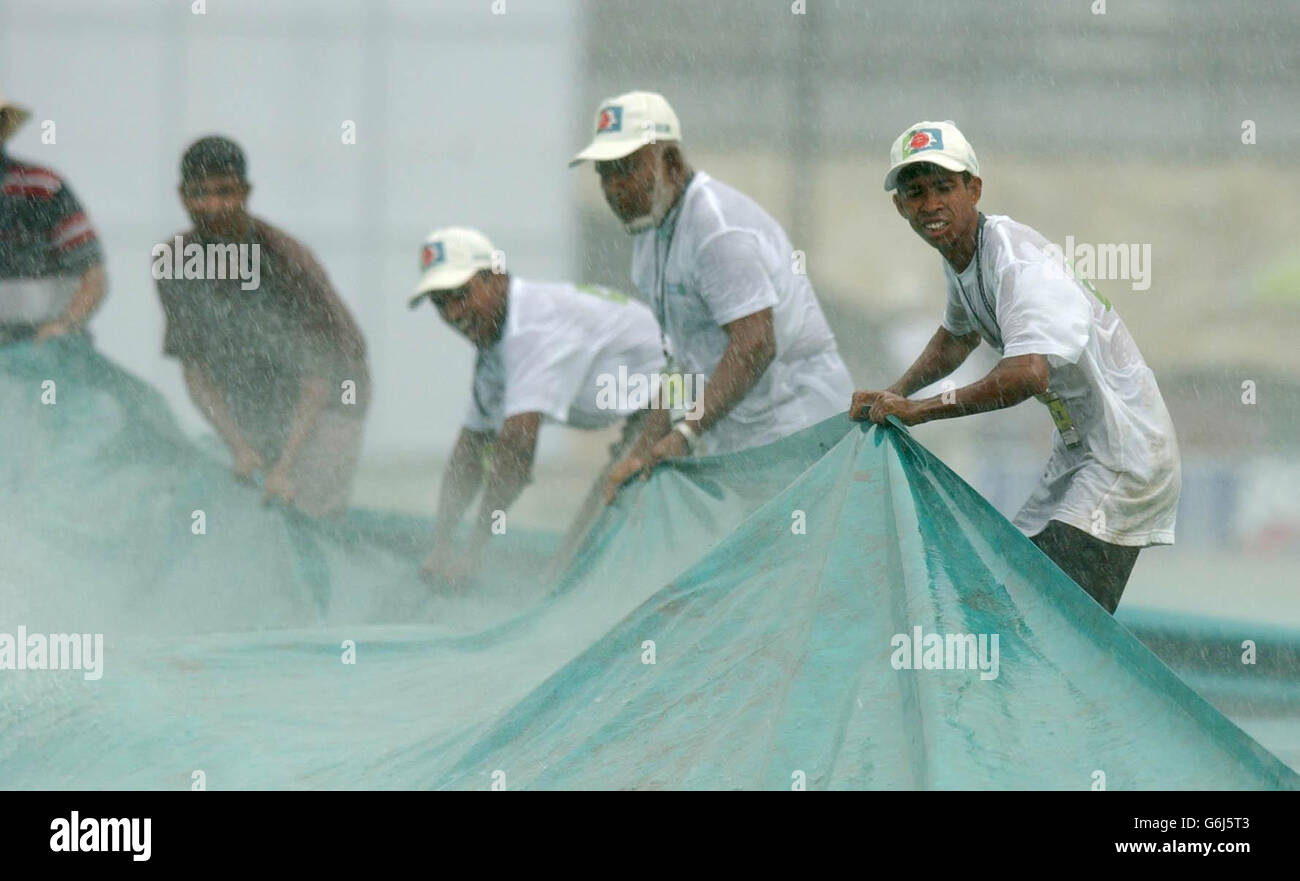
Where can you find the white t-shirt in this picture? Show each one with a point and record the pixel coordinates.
(36, 300)
(560, 354)
(1120, 479)
(718, 257)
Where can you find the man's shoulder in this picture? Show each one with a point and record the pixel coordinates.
(709, 201)
(1011, 242)
(1004, 230)
(282, 245)
(545, 297)
(715, 207)
(30, 181)
(544, 318)
(533, 305)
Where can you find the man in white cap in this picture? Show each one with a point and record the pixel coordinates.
(722, 279)
(1111, 486)
(554, 351)
(51, 264)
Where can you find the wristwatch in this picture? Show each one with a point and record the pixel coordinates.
(692, 436)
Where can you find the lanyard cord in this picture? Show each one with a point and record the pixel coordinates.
(661, 270)
(979, 278)
(662, 306)
(481, 358)
(478, 368)
(979, 268)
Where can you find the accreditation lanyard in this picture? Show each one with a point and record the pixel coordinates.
(979, 280)
(661, 268)
(479, 368)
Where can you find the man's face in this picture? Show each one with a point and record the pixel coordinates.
(938, 204)
(629, 183)
(217, 205)
(471, 309)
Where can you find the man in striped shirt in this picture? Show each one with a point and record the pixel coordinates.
(51, 264)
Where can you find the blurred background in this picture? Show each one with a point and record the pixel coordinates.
(1120, 127)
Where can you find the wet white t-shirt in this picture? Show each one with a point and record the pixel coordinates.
(719, 257)
(564, 352)
(1117, 474)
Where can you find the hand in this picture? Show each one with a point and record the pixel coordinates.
(861, 405)
(52, 329)
(672, 445)
(622, 473)
(247, 462)
(888, 403)
(278, 485)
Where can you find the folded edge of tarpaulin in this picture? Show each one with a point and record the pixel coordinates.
(774, 661)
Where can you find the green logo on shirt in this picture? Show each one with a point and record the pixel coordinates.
(604, 293)
(1087, 284)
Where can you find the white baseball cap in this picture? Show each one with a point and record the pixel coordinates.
(11, 117)
(627, 123)
(937, 142)
(449, 257)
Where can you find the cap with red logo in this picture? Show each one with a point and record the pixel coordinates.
(627, 123)
(449, 257)
(937, 142)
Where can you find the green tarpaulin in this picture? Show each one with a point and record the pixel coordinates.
(766, 619)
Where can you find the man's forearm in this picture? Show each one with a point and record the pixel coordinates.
(311, 401)
(511, 471)
(658, 423)
(738, 371)
(212, 404)
(941, 356)
(1009, 383)
(90, 291)
(503, 488)
(460, 483)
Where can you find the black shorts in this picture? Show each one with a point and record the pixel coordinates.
(1100, 568)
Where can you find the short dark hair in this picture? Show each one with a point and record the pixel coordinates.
(920, 169)
(211, 156)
